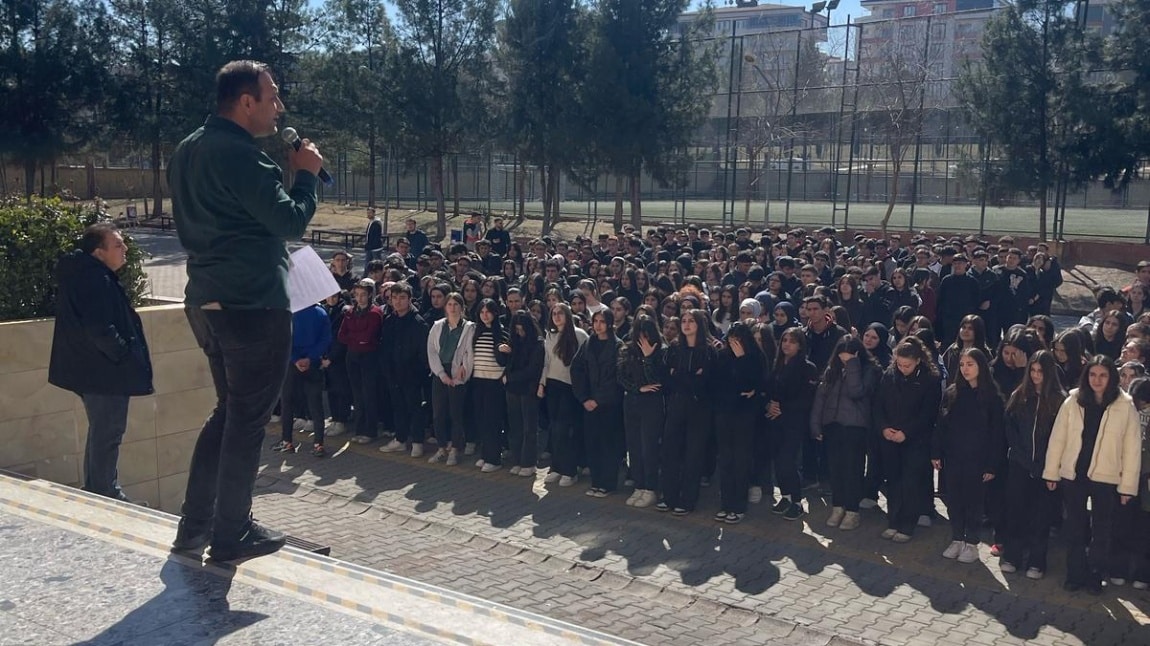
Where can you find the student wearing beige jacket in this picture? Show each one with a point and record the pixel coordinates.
(1094, 455)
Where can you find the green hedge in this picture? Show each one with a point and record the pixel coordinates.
(33, 235)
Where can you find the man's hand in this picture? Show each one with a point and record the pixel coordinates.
(307, 157)
(303, 364)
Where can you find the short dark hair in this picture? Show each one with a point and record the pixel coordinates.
(236, 79)
(401, 288)
(96, 235)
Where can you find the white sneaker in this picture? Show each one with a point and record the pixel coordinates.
(836, 517)
(888, 533)
(452, 457)
(394, 446)
(274, 420)
(335, 428)
(868, 503)
(490, 468)
(567, 481)
(635, 495)
(1138, 585)
(755, 495)
(417, 449)
(479, 463)
(952, 551)
(1117, 580)
(513, 471)
(437, 456)
(309, 427)
(551, 477)
(1035, 574)
(851, 520)
(298, 425)
(924, 521)
(646, 499)
(969, 553)
(469, 448)
(526, 472)
(1007, 567)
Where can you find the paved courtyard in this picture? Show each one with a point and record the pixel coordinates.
(658, 579)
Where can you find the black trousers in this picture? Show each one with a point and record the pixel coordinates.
(965, 493)
(907, 466)
(1088, 533)
(684, 449)
(309, 384)
(338, 391)
(644, 415)
(247, 353)
(489, 412)
(407, 410)
(814, 455)
(603, 439)
(563, 410)
(448, 404)
(363, 372)
(1030, 509)
(874, 478)
(522, 429)
(107, 423)
(846, 452)
(787, 442)
(734, 428)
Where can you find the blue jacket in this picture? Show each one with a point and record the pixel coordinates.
(310, 334)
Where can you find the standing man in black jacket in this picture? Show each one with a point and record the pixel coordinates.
(372, 239)
(234, 217)
(404, 349)
(98, 350)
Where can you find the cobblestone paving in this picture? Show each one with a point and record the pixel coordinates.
(658, 579)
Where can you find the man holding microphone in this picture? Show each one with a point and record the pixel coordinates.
(234, 217)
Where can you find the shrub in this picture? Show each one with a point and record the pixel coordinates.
(34, 234)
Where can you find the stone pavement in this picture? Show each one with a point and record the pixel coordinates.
(657, 579)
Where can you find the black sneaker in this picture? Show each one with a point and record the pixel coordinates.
(794, 511)
(781, 506)
(662, 506)
(191, 538)
(255, 541)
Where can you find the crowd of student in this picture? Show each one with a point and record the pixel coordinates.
(793, 361)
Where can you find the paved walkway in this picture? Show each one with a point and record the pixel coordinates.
(658, 579)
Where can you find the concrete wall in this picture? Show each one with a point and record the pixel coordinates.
(44, 428)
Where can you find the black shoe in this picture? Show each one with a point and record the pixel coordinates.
(189, 539)
(781, 506)
(794, 512)
(255, 541)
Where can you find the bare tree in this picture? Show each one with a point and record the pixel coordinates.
(896, 91)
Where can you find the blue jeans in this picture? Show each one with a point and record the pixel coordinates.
(107, 421)
(247, 353)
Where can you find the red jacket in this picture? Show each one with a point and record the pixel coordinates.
(360, 329)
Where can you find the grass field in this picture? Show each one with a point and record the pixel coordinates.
(1127, 224)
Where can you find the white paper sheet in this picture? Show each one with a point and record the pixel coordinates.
(309, 279)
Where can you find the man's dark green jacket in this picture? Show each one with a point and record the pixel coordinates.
(233, 217)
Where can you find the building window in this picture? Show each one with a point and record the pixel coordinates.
(938, 32)
(908, 11)
(940, 7)
(888, 13)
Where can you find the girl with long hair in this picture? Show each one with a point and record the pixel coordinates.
(738, 390)
(1094, 457)
(563, 341)
(642, 371)
(690, 362)
(524, 371)
(1110, 333)
(1071, 354)
(727, 308)
(451, 357)
(841, 417)
(488, 393)
(971, 334)
(621, 309)
(905, 411)
(595, 380)
(969, 441)
(791, 389)
(876, 340)
(849, 296)
(1030, 506)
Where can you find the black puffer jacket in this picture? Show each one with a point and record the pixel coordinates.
(524, 368)
(690, 369)
(98, 346)
(1028, 437)
(909, 404)
(595, 372)
(970, 430)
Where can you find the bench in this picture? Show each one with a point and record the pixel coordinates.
(345, 239)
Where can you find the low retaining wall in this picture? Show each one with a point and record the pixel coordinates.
(45, 428)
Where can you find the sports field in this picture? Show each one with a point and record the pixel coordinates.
(1080, 223)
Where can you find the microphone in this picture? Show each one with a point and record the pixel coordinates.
(292, 137)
